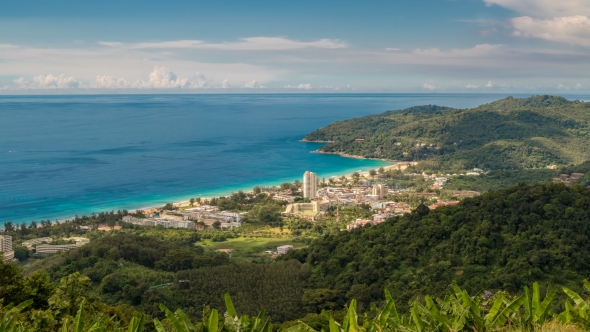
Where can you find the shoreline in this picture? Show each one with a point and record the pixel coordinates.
(346, 155)
(276, 184)
(184, 199)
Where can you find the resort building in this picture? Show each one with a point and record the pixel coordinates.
(305, 210)
(283, 249)
(310, 185)
(381, 191)
(362, 223)
(33, 242)
(165, 222)
(52, 249)
(288, 199)
(6, 247)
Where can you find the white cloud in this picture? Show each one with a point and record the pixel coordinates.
(251, 85)
(562, 21)
(48, 82)
(244, 44)
(577, 86)
(545, 8)
(159, 78)
(55, 82)
(476, 51)
(163, 78)
(490, 84)
(21, 83)
(392, 49)
(201, 81)
(302, 86)
(225, 84)
(471, 86)
(110, 82)
(569, 30)
(428, 86)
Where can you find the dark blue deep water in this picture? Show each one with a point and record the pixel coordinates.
(67, 155)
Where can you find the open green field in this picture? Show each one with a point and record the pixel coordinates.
(251, 247)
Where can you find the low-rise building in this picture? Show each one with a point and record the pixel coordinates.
(33, 242)
(52, 249)
(284, 249)
(359, 223)
(288, 199)
(47, 249)
(164, 222)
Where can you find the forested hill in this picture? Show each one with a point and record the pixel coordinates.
(503, 239)
(506, 134)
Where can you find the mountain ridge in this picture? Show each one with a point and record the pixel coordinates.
(509, 133)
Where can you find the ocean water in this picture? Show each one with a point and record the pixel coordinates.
(67, 155)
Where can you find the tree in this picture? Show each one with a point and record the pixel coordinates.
(381, 170)
(316, 300)
(39, 288)
(169, 207)
(23, 228)
(111, 221)
(216, 225)
(9, 226)
(298, 183)
(21, 253)
(356, 177)
(268, 213)
(177, 260)
(72, 291)
(192, 202)
(11, 283)
(256, 190)
(372, 173)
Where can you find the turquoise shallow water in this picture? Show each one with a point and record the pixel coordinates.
(67, 155)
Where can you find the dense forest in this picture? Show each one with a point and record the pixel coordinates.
(510, 133)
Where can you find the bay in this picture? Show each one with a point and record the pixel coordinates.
(78, 154)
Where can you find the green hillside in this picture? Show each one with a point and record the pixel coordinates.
(511, 133)
(503, 239)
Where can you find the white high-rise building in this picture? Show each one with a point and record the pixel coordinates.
(6, 246)
(310, 185)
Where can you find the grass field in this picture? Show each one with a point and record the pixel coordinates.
(250, 247)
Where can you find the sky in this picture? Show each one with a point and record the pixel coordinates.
(108, 46)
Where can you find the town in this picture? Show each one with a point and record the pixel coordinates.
(311, 200)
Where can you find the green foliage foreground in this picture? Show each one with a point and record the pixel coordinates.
(457, 311)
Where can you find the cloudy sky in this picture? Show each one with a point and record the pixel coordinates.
(294, 46)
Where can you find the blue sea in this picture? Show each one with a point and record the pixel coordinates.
(78, 154)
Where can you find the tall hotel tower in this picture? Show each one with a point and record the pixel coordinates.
(310, 184)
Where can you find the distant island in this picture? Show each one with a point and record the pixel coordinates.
(511, 133)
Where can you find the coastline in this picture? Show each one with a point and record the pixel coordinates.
(346, 155)
(347, 174)
(224, 192)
